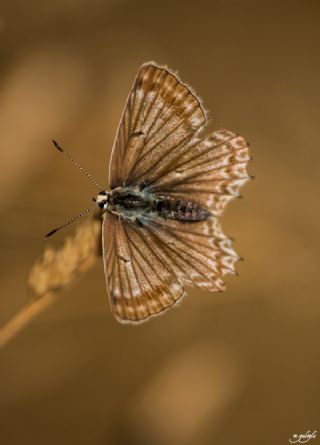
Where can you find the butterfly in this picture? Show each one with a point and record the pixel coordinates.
(168, 188)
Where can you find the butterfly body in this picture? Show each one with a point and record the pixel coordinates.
(181, 210)
(137, 203)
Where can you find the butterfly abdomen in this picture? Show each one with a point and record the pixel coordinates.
(181, 210)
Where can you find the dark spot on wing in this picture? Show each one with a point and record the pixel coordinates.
(125, 260)
(137, 133)
(139, 83)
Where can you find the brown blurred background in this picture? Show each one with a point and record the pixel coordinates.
(241, 367)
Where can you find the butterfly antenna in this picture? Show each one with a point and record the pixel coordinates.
(71, 220)
(55, 143)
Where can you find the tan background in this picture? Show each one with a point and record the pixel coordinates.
(237, 368)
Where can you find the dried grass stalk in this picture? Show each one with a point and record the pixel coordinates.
(55, 270)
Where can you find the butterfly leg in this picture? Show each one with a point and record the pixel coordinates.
(143, 185)
(138, 222)
(130, 219)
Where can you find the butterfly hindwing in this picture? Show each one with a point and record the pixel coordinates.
(210, 171)
(198, 253)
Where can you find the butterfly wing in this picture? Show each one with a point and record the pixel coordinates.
(148, 262)
(197, 253)
(157, 144)
(209, 171)
(139, 283)
(161, 115)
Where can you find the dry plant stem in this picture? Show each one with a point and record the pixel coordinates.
(55, 270)
(24, 316)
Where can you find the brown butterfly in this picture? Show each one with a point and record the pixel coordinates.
(168, 188)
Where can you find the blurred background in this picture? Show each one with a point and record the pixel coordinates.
(239, 367)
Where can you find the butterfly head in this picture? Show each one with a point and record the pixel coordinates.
(102, 200)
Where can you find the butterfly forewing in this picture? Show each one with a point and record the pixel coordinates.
(139, 283)
(150, 257)
(161, 115)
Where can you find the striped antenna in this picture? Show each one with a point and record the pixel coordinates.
(71, 220)
(76, 163)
